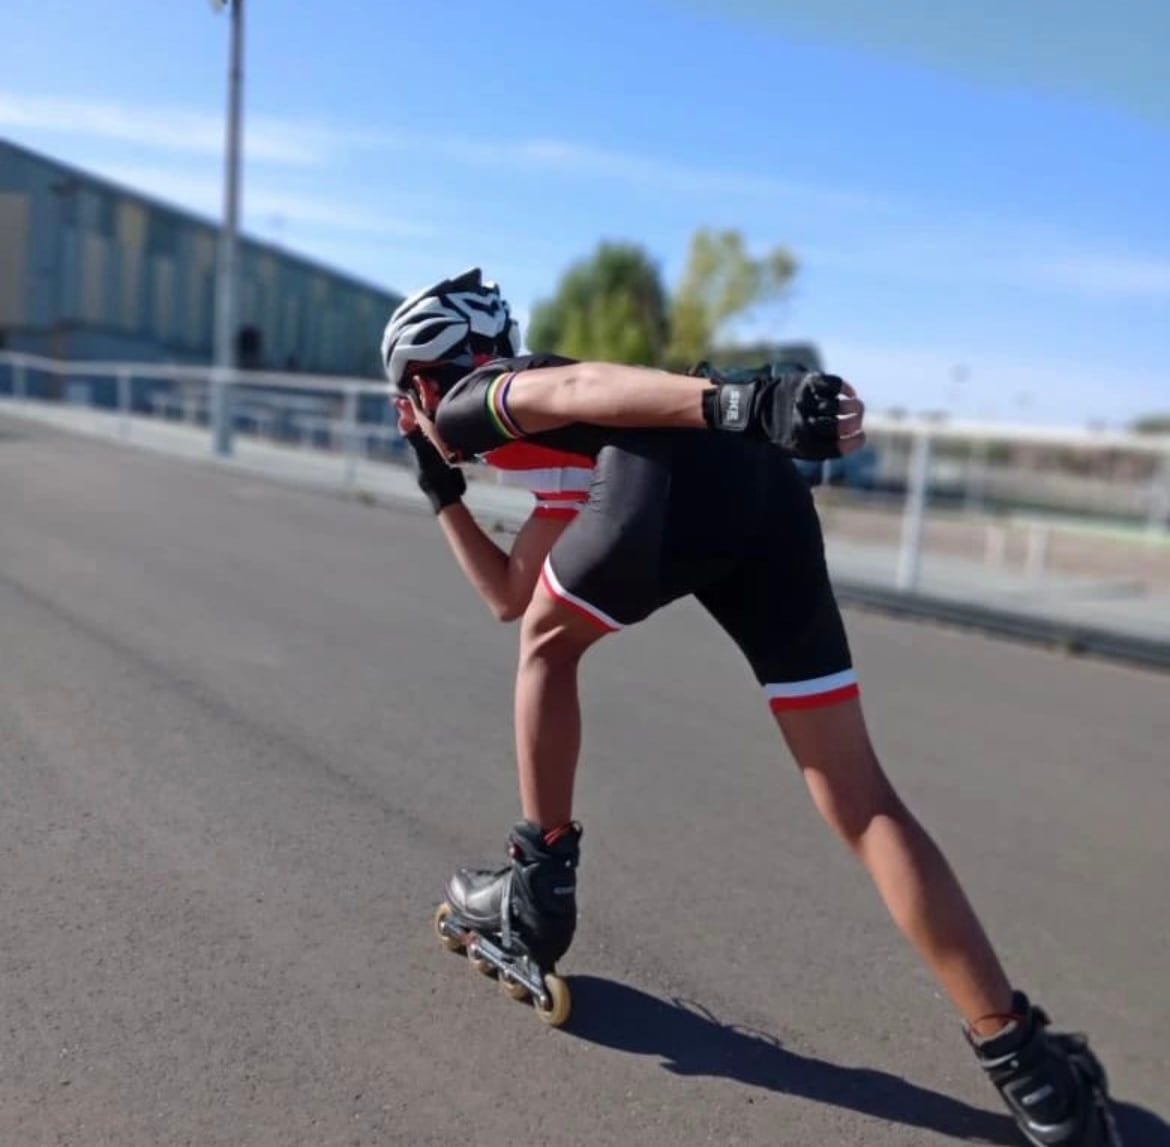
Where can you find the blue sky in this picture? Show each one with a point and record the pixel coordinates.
(980, 203)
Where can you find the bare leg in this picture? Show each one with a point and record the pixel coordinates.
(548, 712)
(850, 790)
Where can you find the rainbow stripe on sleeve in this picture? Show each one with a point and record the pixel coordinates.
(496, 400)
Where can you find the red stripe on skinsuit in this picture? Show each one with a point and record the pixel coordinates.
(578, 609)
(815, 700)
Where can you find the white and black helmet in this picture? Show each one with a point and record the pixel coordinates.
(455, 322)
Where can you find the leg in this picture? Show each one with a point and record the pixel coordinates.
(1052, 1083)
(531, 903)
(851, 791)
(781, 612)
(601, 575)
(553, 637)
(601, 568)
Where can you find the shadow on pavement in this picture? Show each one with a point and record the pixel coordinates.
(690, 1041)
(1140, 1127)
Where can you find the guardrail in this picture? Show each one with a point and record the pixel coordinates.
(350, 415)
(923, 465)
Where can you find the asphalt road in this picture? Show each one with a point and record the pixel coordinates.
(247, 730)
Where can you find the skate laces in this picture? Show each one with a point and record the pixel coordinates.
(530, 841)
(561, 831)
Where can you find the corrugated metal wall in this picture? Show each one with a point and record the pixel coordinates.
(112, 269)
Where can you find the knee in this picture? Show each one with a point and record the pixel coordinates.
(545, 641)
(853, 808)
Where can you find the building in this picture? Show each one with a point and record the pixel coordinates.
(93, 271)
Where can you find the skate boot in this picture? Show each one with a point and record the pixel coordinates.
(517, 921)
(1052, 1083)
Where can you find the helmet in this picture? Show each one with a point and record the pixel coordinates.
(456, 323)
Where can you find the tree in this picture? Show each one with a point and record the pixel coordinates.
(610, 306)
(720, 282)
(613, 306)
(1152, 424)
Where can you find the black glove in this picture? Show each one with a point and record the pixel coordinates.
(783, 403)
(443, 485)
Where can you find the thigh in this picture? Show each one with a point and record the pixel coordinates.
(778, 606)
(605, 567)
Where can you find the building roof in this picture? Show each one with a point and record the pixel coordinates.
(195, 219)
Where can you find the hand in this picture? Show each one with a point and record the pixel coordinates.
(850, 417)
(407, 422)
(412, 412)
(443, 485)
(806, 413)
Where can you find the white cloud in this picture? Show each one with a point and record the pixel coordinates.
(202, 192)
(194, 131)
(576, 158)
(849, 228)
(181, 130)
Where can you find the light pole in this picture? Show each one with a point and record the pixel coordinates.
(225, 289)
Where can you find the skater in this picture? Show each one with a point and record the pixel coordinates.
(649, 487)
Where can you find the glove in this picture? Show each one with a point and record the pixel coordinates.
(443, 485)
(782, 403)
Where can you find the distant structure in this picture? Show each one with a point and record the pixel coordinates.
(93, 271)
(739, 355)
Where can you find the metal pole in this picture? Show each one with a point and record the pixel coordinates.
(995, 550)
(1037, 557)
(351, 434)
(124, 399)
(977, 464)
(910, 557)
(1159, 518)
(225, 323)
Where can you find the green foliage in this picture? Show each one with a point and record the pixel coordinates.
(721, 281)
(613, 305)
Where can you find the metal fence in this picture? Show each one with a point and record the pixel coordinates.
(1036, 501)
(350, 416)
(1039, 502)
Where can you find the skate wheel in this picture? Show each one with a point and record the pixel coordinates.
(482, 966)
(560, 1002)
(512, 989)
(442, 913)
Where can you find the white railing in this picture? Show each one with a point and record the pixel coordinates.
(297, 408)
(996, 481)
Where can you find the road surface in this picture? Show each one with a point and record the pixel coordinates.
(246, 731)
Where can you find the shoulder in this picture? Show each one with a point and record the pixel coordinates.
(499, 368)
(478, 397)
(474, 419)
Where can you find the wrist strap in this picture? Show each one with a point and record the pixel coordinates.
(728, 406)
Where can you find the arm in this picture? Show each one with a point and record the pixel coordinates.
(606, 394)
(805, 413)
(504, 580)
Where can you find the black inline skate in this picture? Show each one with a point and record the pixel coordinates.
(517, 921)
(1054, 1086)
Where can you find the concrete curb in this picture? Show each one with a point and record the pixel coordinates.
(1066, 637)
